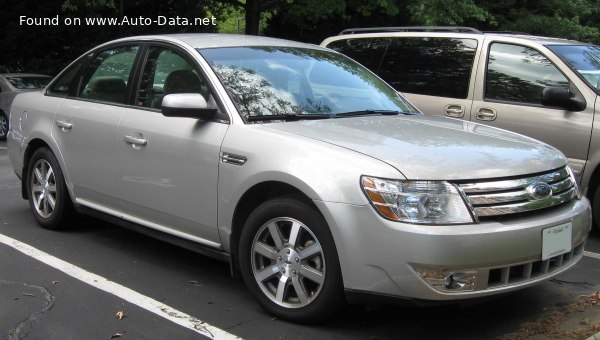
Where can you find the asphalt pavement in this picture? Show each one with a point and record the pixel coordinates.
(39, 300)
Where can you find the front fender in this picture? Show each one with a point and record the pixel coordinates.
(321, 171)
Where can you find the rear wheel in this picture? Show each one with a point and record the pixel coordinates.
(48, 197)
(3, 125)
(289, 261)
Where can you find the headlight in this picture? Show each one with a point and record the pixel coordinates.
(422, 202)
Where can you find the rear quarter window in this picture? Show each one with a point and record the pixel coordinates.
(66, 83)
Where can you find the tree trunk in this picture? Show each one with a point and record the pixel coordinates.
(252, 16)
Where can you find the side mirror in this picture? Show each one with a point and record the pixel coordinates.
(187, 105)
(563, 97)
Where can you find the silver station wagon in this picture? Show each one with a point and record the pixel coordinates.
(312, 177)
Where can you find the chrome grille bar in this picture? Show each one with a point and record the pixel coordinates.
(503, 197)
(513, 183)
(525, 206)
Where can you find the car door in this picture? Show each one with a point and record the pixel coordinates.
(86, 125)
(509, 93)
(168, 166)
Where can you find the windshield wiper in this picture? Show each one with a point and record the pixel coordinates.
(296, 117)
(370, 112)
(288, 117)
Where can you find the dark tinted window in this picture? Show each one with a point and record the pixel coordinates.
(63, 85)
(430, 66)
(519, 74)
(28, 82)
(368, 52)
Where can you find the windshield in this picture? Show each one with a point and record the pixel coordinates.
(275, 81)
(28, 82)
(583, 59)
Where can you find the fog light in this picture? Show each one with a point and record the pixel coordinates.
(449, 281)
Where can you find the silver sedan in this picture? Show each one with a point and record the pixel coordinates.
(309, 175)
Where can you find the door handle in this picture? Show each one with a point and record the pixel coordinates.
(486, 114)
(64, 125)
(453, 110)
(135, 141)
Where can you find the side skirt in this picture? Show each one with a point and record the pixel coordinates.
(177, 241)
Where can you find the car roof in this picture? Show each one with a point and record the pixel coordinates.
(213, 40)
(449, 30)
(539, 39)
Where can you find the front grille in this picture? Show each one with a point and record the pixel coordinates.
(515, 274)
(504, 197)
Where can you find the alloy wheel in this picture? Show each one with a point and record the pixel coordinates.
(43, 188)
(3, 126)
(288, 262)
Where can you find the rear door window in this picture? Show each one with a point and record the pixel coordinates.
(107, 77)
(430, 66)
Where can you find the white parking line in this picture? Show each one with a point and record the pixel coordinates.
(124, 293)
(592, 255)
(3, 148)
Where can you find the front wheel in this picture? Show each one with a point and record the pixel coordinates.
(48, 197)
(289, 261)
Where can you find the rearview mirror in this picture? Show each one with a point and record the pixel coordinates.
(187, 105)
(563, 97)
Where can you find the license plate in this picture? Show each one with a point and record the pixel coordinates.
(556, 240)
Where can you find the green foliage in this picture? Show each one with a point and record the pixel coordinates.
(75, 5)
(230, 16)
(447, 12)
(576, 19)
(314, 11)
(304, 20)
(555, 26)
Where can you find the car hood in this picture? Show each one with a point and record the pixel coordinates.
(431, 147)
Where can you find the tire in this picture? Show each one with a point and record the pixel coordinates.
(294, 278)
(3, 125)
(48, 196)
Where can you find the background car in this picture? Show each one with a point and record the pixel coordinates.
(10, 85)
(545, 88)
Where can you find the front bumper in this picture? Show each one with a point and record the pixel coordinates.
(381, 257)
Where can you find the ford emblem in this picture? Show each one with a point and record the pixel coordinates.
(539, 191)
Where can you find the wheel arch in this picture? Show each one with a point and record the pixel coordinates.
(33, 145)
(593, 183)
(593, 186)
(249, 201)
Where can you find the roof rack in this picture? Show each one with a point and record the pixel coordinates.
(458, 29)
(506, 32)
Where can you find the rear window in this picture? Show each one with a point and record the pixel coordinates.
(422, 65)
(28, 82)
